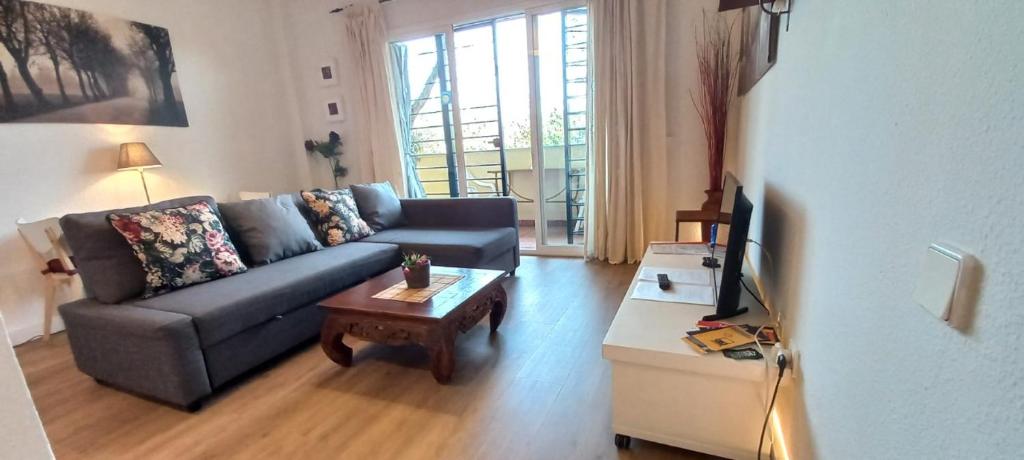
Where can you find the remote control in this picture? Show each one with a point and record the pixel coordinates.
(663, 282)
(742, 353)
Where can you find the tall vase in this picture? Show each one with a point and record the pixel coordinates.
(710, 207)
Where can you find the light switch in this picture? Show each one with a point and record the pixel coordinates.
(941, 279)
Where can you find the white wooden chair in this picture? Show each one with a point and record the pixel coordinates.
(45, 239)
(253, 195)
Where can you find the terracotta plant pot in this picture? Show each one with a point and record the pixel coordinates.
(417, 277)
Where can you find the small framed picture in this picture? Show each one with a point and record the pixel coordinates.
(334, 109)
(328, 73)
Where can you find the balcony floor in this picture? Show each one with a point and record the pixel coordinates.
(556, 235)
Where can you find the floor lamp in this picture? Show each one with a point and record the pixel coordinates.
(137, 156)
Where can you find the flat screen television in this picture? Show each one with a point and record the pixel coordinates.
(730, 188)
(728, 287)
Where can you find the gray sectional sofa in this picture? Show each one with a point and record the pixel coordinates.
(181, 346)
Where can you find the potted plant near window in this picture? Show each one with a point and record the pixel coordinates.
(717, 66)
(416, 268)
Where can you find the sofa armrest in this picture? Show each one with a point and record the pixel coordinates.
(461, 212)
(151, 352)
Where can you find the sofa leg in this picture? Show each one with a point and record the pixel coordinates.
(194, 406)
(512, 273)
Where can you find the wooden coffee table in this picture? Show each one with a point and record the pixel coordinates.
(433, 324)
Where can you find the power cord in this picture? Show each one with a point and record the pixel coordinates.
(770, 268)
(744, 283)
(773, 320)
(782, 363)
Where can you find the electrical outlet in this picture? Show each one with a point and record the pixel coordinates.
(792, 360)
(794, 363)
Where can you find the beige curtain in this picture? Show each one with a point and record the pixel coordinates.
(629, 163)
(368, 40)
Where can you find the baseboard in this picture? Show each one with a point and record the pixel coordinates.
(779, 448)
(24, 333)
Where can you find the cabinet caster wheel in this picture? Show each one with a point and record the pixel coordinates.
(622, 441)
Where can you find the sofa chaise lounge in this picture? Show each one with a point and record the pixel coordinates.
(182, 346)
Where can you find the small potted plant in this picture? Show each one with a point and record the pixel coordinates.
(416, 268)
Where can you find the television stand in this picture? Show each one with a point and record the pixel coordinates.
(664, 391)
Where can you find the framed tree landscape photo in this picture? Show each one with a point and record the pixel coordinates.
(64, 65)
(759, 46)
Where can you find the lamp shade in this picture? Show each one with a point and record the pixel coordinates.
(136, 155)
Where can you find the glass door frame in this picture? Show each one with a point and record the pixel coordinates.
(460, 153)
(448, 31)
(453, 117)
(504, 187)
(536, 135)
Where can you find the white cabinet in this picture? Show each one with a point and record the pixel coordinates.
(664, 391)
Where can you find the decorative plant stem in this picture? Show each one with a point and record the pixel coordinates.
(717, 67)
(331, 150)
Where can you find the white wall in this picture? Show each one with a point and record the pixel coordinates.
(21, 433)
(687, 169)
(243, 135)
(886, 126)
(314, 37)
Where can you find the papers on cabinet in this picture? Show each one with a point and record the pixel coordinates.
(689, 285)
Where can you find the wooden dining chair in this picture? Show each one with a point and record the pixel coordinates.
(253, 195)
(46, 240)
(704, 218)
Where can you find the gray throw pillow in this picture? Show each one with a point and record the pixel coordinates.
(269, 229)
(378, 205)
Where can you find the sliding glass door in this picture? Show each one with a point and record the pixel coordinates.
(493, 88)
(500, 107)
(562, 89)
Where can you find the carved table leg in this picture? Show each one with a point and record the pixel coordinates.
(330, 341)
(442, 357)
(498, 309)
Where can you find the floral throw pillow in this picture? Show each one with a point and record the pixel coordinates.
(335, 216)
(179, 247)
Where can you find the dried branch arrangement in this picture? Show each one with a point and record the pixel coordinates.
(718, 68)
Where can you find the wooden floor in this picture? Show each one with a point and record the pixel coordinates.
(539, 389)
